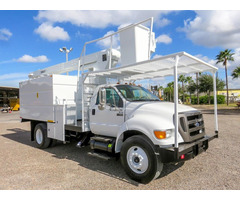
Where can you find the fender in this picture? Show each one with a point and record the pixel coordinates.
(119, 139)
(145, 125)
(135, 128)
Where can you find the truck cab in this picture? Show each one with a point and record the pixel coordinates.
(122, 111)
(121, 107)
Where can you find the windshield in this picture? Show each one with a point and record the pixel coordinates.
(136, 93)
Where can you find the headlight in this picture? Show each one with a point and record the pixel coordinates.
(168, 133)
(162, 134)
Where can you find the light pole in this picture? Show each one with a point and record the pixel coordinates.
(64, 49)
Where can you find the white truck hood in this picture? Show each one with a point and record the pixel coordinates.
(150, 116)
(163, 108)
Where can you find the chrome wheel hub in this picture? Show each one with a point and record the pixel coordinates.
(137, 159)
(39, 136)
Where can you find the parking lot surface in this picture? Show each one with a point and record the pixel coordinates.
(23, 166)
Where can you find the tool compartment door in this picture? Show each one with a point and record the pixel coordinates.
(56, 128)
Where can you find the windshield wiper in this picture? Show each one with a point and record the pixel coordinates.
(146, 100)
(154, 100)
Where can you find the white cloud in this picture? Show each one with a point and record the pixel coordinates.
(7, 61)
(13, 79)
(107, 42)
(30, 59)
(208, 60)
(164, 39)
(101, 18)
(12, 76)
(5, 34)
(231, 65)
(162, 22)
(124, 25)
(92, 18)
(52, 34)
(233, 83)
(236, 57)
(214, 29)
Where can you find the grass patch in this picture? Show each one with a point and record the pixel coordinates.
(220, 106)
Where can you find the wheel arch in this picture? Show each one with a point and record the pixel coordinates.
(34, 123)
(127, 134)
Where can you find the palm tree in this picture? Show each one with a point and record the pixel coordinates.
(197, 85)
(183, 80)
(169, 90)
(189, 79)
(224, 57)
(160, 89)
(236, 73)
(191, 87)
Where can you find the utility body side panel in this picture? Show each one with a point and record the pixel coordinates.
(36, 99)
(49, 99)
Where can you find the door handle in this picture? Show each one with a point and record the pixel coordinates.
(119, 114)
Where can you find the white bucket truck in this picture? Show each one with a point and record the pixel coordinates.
(97, 107)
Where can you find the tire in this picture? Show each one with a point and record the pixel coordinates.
(40, 136)
(139, 159)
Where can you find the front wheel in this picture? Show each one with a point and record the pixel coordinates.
(40, 136)
(139, 159)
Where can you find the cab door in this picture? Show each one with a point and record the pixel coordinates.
(108, 120)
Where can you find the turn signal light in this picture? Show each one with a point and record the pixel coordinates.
(160, 134)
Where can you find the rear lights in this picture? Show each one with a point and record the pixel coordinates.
(182, 157)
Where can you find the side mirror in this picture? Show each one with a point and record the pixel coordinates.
(102, 98)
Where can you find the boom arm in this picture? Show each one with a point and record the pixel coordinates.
(95, 61)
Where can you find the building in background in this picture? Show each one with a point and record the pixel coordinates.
(234, 94)
(8, 95)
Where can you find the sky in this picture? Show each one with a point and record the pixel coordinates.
(30, 39)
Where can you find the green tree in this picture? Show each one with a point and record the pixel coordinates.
(160, 89)
(206, 84)
(197, 86)
(236, 73)
(168, 91)
(183, 80)
(191, 89)
(223, 57)
(189, 81)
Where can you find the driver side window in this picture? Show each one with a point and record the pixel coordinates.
(112, 98)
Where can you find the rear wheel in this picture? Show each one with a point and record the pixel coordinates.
(139, 159)
(40, 136)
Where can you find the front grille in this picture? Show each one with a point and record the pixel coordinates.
(194, 133)
(194, 116)
(191, 125)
